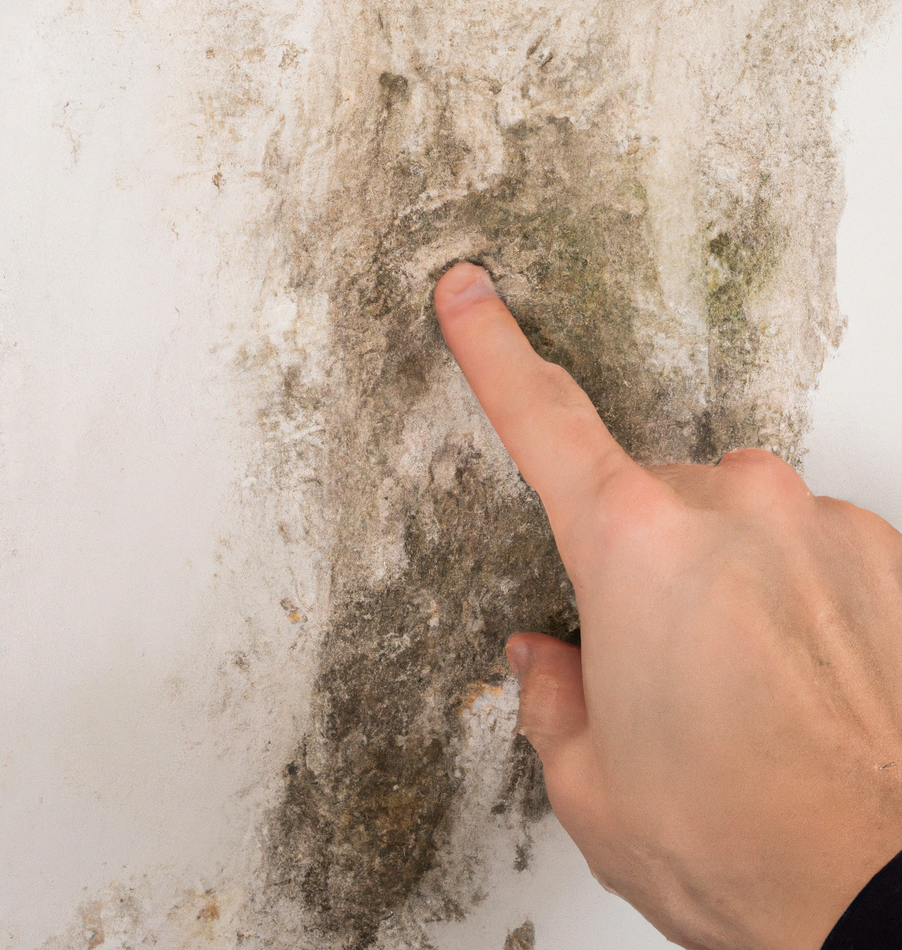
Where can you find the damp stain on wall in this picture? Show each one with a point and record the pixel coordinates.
(671, 247)
(655, 188)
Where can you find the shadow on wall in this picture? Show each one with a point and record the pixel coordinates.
(655, 189)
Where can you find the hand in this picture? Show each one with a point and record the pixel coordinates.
(726, 746)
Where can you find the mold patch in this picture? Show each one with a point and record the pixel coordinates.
(670, 253)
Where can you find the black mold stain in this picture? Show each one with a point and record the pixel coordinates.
(740, 261)
(395, 90)
(363, 817)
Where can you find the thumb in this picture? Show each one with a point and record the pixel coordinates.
(552, 704)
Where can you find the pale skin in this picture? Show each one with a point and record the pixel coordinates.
(725, 748)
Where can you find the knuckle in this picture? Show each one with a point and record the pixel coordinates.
(577, 423)
(552, 381)
(755, 458)
(759, 477)
(836, 507)
(555, 374)
(848, 516)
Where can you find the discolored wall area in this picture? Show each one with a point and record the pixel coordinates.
(264, 549)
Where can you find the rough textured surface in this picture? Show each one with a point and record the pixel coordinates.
(655, 187)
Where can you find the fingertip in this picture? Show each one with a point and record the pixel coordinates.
(465, 283)
(552, 704)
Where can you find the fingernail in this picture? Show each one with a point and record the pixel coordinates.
(519, 655)
(465, 282)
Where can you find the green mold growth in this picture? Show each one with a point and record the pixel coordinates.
(583, 254)
(741, 261)
(582, 314)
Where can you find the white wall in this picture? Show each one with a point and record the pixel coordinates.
(121, 438)
(855, 446)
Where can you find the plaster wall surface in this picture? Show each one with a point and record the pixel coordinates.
(260, 550)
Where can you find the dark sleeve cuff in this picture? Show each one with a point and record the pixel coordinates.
(874, 919)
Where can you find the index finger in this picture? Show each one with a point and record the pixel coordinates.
(546, 422)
